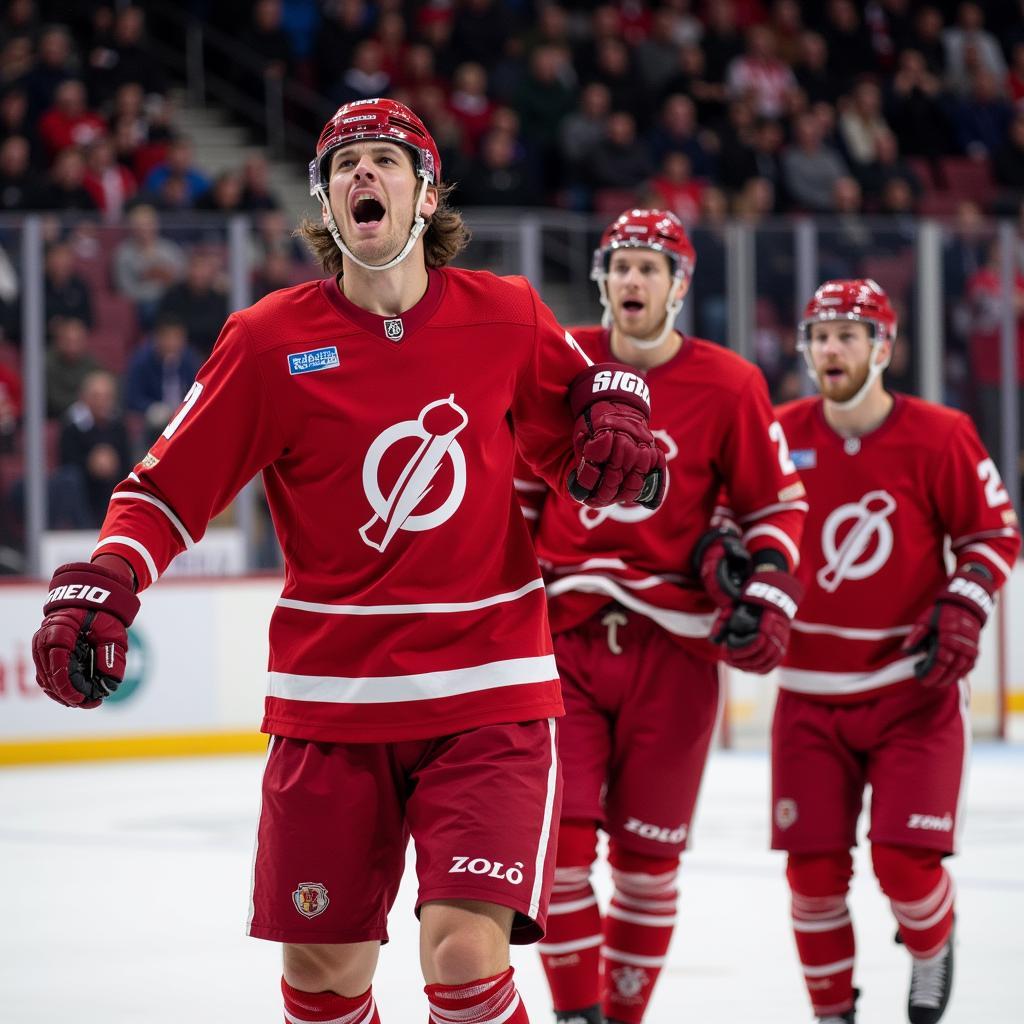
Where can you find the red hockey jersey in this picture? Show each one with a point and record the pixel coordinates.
(412, 604)
(882, 508)
(711, 413)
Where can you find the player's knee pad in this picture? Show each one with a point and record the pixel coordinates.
(906, 872)
(577, 844)
(820, 874)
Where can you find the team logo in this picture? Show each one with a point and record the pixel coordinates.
(394, 330)
(866, 544)
(785, 813)
(592, 517)
(413, 456)
(630, 981)
(310, 899)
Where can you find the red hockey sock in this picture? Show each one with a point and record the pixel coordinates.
(921, 894)
(571, 949)
(327, 1007)
(637, 931)
(487, 1001)
(822, 927)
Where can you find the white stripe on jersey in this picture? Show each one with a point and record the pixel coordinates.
(782, 506)
(815, 681)
(452, 682)
(131, 542)
(849, 632)
(545, 827)
(175, 521)
(767, 530)
(411, 609)
(986, 552)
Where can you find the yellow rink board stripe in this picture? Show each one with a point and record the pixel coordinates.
(103, 748)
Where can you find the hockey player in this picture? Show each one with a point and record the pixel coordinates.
(873, 688)
(412, 686)
(632, 621)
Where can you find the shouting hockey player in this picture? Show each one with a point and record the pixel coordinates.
(412, 685)
(873, 688)
(632, 619)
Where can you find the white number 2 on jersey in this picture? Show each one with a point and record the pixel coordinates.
(778, 435)
(995, 492)
(191, 398)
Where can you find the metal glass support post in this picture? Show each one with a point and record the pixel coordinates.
(805, 252)
(273, 89)
(740, 282)
(1009, 389)
(929, 326)
(33, 347)
(531, 262)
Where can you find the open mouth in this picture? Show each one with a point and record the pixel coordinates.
(834, 373)
(368, 210)
(633, 306)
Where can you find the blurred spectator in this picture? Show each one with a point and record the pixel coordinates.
(760, 158)
(94, 439)
(266, 39)
(55, 62)
(179, 162)
(736, 143)
(811, 69)
(915, 108)
(542, 101)
(109, 183)
(787, 26)
(657, 56)
(760, 75)
(10, 301)
(274, 235)
(480, 30)
(276, 271)
(435, 28)
(691, 79)
(392, 38)
(583, 130)
(849, 43)
(69, 122)
(887, 164)
(846, 239)
(861, 123)
(199, 301)
(676, 131)
(418, 68)
(14, 119)
(498, 177)
(927, 39)
(551, 28)
(65, 188)
(10, 405)
(722, 41)
(20, 18)
(1015, 76)
(65, 293)
(146, 265)
(965, 252)
(345, 24)
(970, 48)
(623, 162)
(470, 105)
(675, 188)
(68, 363)
(365, 77)
(225, 195)
(257, 192)
(707, 292)
(985, 295)
(161, 370)
(1008, 166)
(125, 58)
(981, 121)
(16, 183)
(616, 69)
(810, 169)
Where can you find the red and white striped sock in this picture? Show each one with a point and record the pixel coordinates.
(637, 931)
(571, 950)
(921, 893)
(327, 1007)
(487, 1001)
(823, 929)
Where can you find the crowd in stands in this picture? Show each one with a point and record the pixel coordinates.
(717, 109)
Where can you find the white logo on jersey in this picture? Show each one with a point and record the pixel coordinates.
(436, 426)
(591, 517)
(846, 561)
(493, 869)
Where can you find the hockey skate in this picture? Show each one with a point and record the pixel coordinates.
(930, 984)
(588, 1015)
(842, 1018)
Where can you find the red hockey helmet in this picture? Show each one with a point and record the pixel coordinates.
(860, 299)
(660, 230)
(364, 120)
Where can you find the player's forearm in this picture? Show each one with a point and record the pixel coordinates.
(115, 563)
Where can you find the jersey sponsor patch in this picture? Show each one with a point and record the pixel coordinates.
(315, 359)
(804, 458)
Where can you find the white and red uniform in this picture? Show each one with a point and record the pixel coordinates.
(410, 647)
(882, 507)
(412, 604)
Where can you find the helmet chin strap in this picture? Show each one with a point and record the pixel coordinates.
(875, 370)
(417, 229)
(672, 307)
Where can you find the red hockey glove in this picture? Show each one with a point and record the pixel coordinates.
(80, 648)
(617, 457)
(948, 633)
(756, 632)
(723, 565)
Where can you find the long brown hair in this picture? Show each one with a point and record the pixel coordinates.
(446, 235)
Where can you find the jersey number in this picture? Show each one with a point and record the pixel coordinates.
(778, 435)
(995, 492)
(191, 397)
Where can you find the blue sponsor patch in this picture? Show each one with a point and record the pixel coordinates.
(804, 458)
(313, 360)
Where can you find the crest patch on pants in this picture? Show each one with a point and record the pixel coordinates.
(310, 899)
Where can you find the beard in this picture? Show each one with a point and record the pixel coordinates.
(845, 388)
(385, 246)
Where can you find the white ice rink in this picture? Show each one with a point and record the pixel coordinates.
(124, 889)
